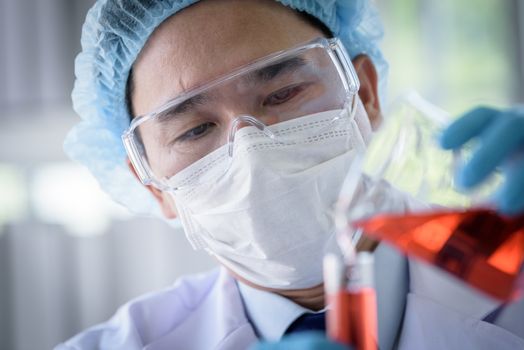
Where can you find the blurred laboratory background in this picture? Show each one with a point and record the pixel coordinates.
(69, 256)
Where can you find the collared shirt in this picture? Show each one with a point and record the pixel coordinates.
(427, 281)
(261, 308)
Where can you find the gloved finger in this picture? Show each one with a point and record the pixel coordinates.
(497, 143)
(305, 341)
(466, 127)
(510, 198)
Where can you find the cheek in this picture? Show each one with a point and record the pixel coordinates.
(170, 201)
(167, 204)
(364, 122)
(158, 157)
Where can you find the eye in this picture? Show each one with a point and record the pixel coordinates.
(283, 95)
(196, 133)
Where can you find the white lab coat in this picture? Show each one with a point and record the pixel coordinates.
(206, 312)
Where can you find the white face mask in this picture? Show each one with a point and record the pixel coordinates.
(269, 219)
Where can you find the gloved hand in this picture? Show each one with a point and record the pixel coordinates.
(303, 341)
(500, 136)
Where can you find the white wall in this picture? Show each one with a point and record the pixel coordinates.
(54, 284)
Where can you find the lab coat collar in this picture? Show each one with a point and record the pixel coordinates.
(261, 308)
(391, 275)
(219, 322)
(446, 290)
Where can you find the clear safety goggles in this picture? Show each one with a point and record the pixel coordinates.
(311, 78)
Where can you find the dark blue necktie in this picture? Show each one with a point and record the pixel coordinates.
(308, 322)
(493, 315)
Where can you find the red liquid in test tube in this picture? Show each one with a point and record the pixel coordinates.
(352, 315)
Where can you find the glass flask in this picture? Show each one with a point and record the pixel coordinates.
(401, 190)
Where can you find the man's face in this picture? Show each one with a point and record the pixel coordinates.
(207, 40)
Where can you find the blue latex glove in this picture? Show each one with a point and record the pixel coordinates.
(303, 341)
(500, 136)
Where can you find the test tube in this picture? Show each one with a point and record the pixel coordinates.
(363, 303)
(352, 315)
(338, 316)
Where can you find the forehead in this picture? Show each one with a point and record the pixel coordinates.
(209, 39)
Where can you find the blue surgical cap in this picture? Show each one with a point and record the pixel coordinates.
(113, 35)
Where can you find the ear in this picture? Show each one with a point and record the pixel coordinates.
(368, 92)
(164, 199)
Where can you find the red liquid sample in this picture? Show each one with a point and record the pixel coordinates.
(352, 319)
(478, 246)
(338, 318)
(364, 323)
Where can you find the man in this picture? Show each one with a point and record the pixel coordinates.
(241, 118)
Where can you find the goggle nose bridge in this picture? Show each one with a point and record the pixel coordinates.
(235, 125)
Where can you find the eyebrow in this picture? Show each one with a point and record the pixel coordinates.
(187, 106)
(270, 72)
(258, 76)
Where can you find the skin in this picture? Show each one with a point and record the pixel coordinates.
(211, 38)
